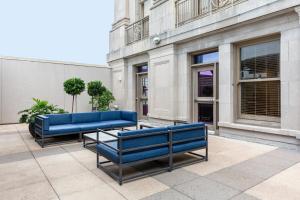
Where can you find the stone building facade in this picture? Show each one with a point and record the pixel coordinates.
(234, 64)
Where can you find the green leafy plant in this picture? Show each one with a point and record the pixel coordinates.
(95, 89)
(104, 100)
(74, 87)
(40, 107)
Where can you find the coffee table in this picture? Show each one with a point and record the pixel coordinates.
(91, 138)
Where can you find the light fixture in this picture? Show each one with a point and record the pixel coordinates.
(156, 40)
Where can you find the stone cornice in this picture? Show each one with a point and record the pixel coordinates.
(124, 21)
(157, 3)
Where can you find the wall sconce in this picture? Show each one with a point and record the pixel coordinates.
(156, 40)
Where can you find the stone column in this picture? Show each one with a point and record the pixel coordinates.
(227, 96)
(290, 78)
(117, 36)
(162, 83)
(121, 10)
(119, 82)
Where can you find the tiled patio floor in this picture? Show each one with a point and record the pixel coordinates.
(236, 170)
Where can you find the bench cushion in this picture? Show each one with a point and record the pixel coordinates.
(59, 119)
(189, 146)
(86, 117)
(62, 129)
(129, 116)
(120, 123)
(110, 115)
(92, 126)
(130, 157)
(180, 132)
(144, 141)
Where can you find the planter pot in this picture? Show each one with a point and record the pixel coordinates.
(31, 129)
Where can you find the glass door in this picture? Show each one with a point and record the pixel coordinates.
(205, 95)
(142, 95)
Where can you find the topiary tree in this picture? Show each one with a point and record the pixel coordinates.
(95, 89)
(105, 100)
(74, 87)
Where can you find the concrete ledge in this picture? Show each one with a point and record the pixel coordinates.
(271, 136)
(276, 131)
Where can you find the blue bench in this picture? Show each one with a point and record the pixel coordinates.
(51, 125)
(130, 148)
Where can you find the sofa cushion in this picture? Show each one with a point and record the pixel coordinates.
(144, 141)
(93, 126)
(62, 129)
(120, 123)
(130, 157)
(129, 116)
(180, 132)
(189, 146)
(59, 119)
(110, 115)
(86, 117)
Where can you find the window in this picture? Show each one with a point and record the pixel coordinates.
(259, 81)
(143, 68)
(206, 58)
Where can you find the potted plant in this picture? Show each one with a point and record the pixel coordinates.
(74, 87)
(39, 108)
(104, 100)
(95, 89)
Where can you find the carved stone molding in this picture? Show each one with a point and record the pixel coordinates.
(158, 2)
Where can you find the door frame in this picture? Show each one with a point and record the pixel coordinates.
(214, 100)
(138, 96)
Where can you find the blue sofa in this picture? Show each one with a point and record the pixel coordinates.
(138, 146)
(51, 125)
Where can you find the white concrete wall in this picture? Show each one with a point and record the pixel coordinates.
(23, 79)
(162, 18)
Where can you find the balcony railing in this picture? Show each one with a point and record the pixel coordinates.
(137, 31)
(188, 10)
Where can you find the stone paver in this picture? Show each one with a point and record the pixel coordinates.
(235, 170)
(176, 177)
(284, 185)
(75, 183)
(168, 195)
(37, 191)
(140, 188)
(15, 157)
(234, 152)
(20, 178)
(235, 178)
(244, 196)
(94, 193)
(203, 189)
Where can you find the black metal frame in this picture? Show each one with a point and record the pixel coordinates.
(40, 136)
(85, 144)
(120, 178)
